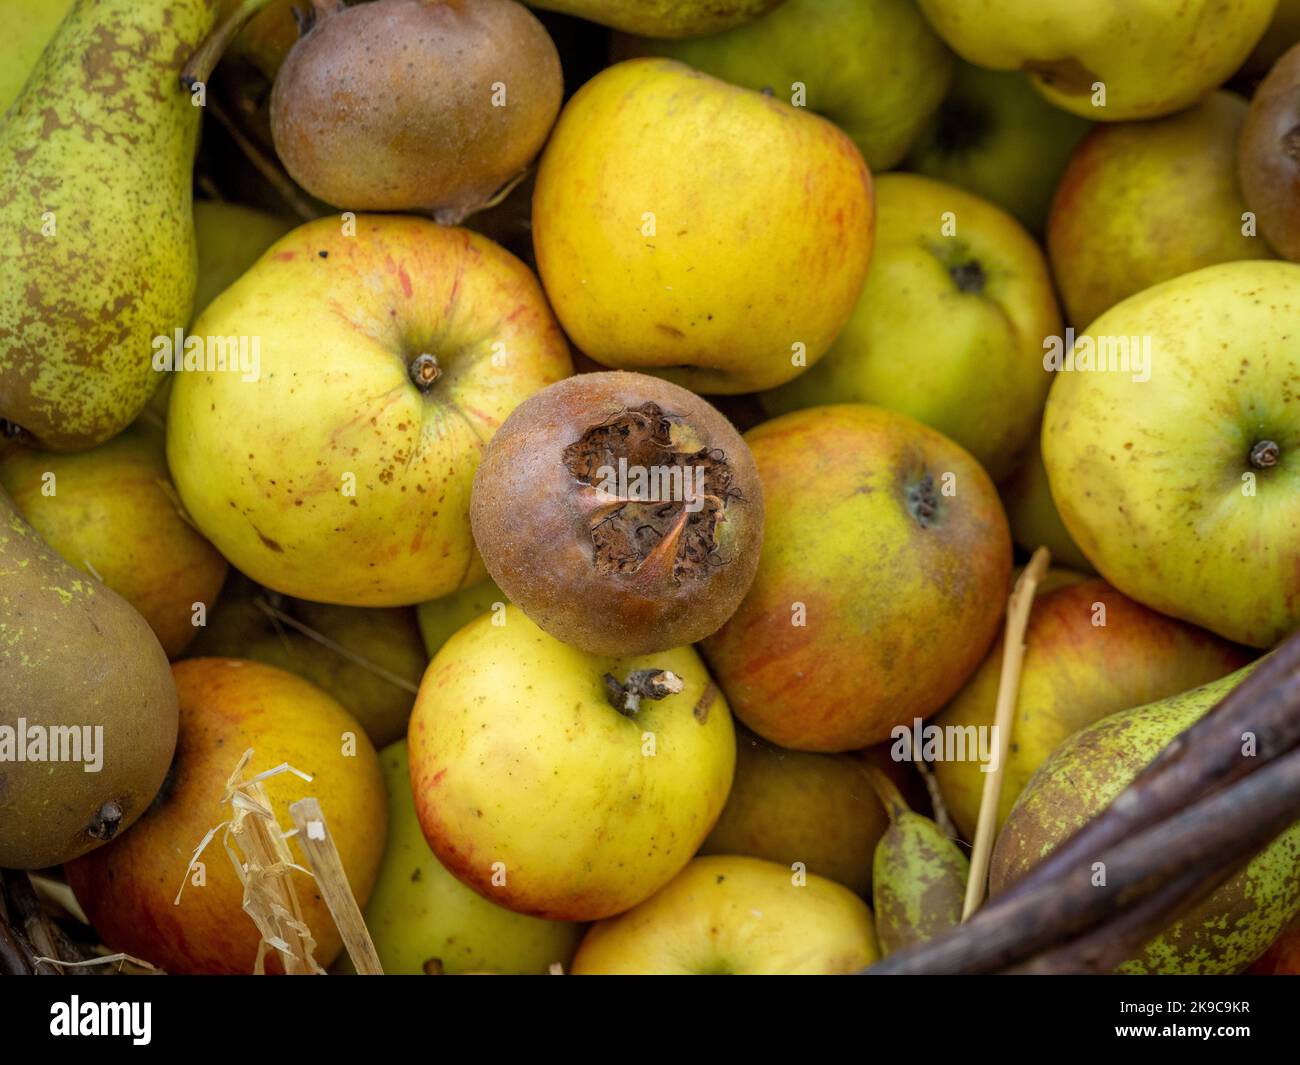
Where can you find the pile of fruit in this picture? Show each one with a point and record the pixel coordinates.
(589, 445)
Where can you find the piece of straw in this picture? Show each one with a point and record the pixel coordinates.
(1013, 653)
(259, 852)
(323, 856)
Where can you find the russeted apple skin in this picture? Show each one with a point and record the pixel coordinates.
(388, 106)
(877, 594)
(1268, 156)
(534, 533)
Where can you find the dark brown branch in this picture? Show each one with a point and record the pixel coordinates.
(1203, 842)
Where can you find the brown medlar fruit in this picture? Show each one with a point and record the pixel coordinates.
(1268, 156)
(431, 105)
(620, 512)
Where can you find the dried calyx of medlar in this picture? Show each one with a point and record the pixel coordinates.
(620, 512)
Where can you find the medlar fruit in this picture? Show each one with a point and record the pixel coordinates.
(622, 513)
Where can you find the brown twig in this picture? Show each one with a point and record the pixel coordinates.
(1202, 843)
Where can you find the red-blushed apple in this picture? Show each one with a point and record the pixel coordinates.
(1120, 219)
(1089, 652)
(333, 461)
(127, 889)
(885, 568)
(735, 916)
(564, 784)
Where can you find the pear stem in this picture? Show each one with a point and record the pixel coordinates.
(206, 57)
(1013, 654)
(888, 794)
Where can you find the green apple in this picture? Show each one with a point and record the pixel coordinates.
(873, 67)
(724, 253)
(424, 920)
(886, 562)
(1104, 60)
(1180, 479)
(1141, 202)
(949, 326)
(993, 135)
(379, 354)
(440, 619)
(111, 512)
(369, 659)
(544, 792)
(1089, 652)
(729, 915)
(793, 806)
(1033, 516)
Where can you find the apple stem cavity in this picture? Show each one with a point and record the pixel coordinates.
(923, 501)
(969, 277)
(1265, 455)
(425, 372)
(640, 684)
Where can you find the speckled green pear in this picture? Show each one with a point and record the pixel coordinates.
(96, 229)
(918, 877)
(1225, 931)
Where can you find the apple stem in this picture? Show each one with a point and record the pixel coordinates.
(425, 371)
(640, 684)
(1265, 454)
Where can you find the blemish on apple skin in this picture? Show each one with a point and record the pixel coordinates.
(286, 256)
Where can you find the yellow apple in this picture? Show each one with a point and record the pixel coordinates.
(340, 468)
(1089, 652)
(795, 806)
(730, 915)
(1175, 465)
(423, 919)
(128, 887)
(662, 18)
(950, 324)
(1150, 58)
(534, 789)
(699, 231)
(112, 512)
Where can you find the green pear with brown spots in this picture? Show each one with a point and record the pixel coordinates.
(918, 876)
(96, 226)
(1230, 927)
